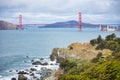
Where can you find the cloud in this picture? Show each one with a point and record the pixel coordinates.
(94, 11)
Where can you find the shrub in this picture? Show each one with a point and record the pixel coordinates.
(67, 64)
(70, 77)
(110, 37)
(99, 39)
(93, 42)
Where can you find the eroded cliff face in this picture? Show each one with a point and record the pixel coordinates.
(7, 26)
(76, 51)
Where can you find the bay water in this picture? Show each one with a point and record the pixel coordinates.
(17, 45)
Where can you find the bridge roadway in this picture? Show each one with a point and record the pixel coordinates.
(59, 24)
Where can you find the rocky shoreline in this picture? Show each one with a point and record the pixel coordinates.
(40, 69)
(47, 68)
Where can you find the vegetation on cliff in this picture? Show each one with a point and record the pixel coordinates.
(104, 66)
(102, 70)
(110, 42)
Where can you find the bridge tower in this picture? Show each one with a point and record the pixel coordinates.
(79, 21)
(20, 22)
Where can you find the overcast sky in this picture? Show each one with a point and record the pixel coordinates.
(49, 11)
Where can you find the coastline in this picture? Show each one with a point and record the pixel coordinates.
(75, 59)
(40, 68)
(47, 68)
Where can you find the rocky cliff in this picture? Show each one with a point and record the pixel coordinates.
(76, 51)
(7, 26)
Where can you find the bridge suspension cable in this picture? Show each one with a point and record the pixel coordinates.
(79, 23)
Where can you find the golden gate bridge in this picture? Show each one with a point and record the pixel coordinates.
(102, 27)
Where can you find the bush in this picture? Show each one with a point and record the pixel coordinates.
(70, 77)
(93, 42)
(99, 39)
(110, 37)
(96, 41)
(99, 55)
(94, 60)
(67, 64)
(80, 68)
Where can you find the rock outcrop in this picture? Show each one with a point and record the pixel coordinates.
(13, 78)
(7, 26)
(36, 63)
(76, 51)
(39, 63)
(21, 77)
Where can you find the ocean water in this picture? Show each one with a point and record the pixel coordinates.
(15, 45)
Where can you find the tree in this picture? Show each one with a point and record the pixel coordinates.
(101, 45)
(99, 39)
(111, 37)
(93, 42)
(96, 41)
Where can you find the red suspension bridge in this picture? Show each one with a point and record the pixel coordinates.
(80, 25)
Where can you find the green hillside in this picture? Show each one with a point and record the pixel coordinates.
(99, 68)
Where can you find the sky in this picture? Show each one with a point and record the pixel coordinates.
(50, 11)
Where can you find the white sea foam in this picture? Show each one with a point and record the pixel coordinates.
(0, 76)
(51, 65)
(9, 77)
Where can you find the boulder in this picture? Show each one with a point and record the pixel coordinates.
(27, 56)
(16, 70)
(32, 60)
(33, 69)
(39, 63)
(21, 77)
(22, 72)
(51, 64)
(44, 63)
(32, 74)
(10, 70)
(36, 63)
(41, 58)
(13, 78)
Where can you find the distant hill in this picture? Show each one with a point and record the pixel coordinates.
(67, 24)
(7, 25)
